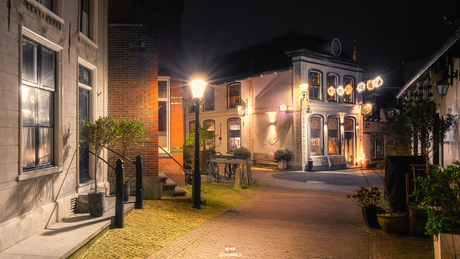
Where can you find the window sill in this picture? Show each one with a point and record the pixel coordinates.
(83, 37)
(163, 155)
(40, 172)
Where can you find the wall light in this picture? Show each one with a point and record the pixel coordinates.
(283, 107)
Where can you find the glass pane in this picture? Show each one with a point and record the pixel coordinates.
(45, 149)
(234, 143)
(314, 87)
(315, 146)
(373, 149)
(162, 116)
(332, 82)
(333, 133)
(46, 3)
(348, 85)
(85, 5)
(28, 105)
(84, 75)
(45, 108)
(84, 23)
(192, 126)
(162, 89)
(47, 69)
(29, 61)
(28, 146)
(209, 99)
(210, 142)
(349, 124)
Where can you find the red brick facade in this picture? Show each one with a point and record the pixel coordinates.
(144, 42)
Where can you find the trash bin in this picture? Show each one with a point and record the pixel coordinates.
(310, 165)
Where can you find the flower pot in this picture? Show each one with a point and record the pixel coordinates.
(96, 203)
(126, 192)
(282, 164)
(446, 245)
(370, 216)
(394, 223)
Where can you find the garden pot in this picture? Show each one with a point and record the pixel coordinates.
(96, 203)
(394, 223)
(446, 245)
(282, 164)
(370, 216)
(126, 192)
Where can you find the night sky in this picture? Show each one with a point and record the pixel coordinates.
(386, 32)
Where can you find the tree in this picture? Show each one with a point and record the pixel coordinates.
(131, 132)
(204, 135)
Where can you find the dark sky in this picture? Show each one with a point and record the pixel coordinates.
(386, 32)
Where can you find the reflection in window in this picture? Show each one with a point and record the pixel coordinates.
(348, 84)
(314, 85)
(234, 134)
(208, 102)
(37, 90)
(210, 143)
(316, 148)
(332, 82)
(234, 95)
(333, 140)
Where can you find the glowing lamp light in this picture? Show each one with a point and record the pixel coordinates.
(198, 87)
(362, 156)
(283, 107)
(271, 117)
(370, 85)
(348, 89)
(331, 91)
(340, 90)
(304, 87)
(377, 82)
(361, 87)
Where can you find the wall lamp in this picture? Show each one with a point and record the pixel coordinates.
(443, 85)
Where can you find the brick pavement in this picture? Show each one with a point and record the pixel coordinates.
(292, 223)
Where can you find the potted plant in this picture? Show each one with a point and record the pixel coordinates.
(282, 156)
(97, 135)
(369, 201)
(439, 194)
(131, 133)
(204, 137)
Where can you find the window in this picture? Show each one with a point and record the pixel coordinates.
(191, 127)
(208, 99)
(38, 87)
(84, 110)
(234, 134)
(333, 140)
(47, 3)
(316, 143)
(85, 18)
(234, 95)
(163, 113)
(314, 84)
(332, 82)
(376, 147)
(210, 143)
(349, 128)
(348, 84)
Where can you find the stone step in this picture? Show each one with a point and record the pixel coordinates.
(178, 191)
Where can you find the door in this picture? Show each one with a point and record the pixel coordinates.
(83, 113)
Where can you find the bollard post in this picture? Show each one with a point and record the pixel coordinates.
(119, 205)
(139, 197)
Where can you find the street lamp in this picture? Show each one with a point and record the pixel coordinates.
(197, 87)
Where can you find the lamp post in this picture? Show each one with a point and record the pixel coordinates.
(197, 87)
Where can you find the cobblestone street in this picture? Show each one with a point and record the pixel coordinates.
(293, 222)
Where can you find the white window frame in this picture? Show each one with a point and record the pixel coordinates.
(93, 23)
(57, 141)
(168, 112)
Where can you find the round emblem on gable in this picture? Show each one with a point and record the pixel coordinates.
(336, 47)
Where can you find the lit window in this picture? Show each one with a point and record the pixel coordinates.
(234, 134)
(38, 87)
(210, 143)
(191, 127)
(234, 95)
(208, 100)
(349, 128)
(333, 140)
(316, 143)
(349, 86)
(314, 85)
(332, 82)
(163, 113)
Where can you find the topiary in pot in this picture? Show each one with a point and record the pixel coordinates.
(242, 151)
(283, 156)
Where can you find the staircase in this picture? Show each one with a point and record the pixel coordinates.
(170, 188)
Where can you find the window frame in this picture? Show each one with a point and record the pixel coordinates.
(88, 15)
(321, 135)
(332, 98)
(210, 142)
(166, 79)
(318, 87)
(236, 101)
(229, 142)
(329, 131)
(352, 93)
(374, 138)
(190, 128)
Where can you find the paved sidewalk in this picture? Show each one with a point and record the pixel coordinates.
(294, 223)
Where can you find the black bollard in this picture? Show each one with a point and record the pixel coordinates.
(139, 197)
(119, 205)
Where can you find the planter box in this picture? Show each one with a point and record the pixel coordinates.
(446, 246)
(282, 164)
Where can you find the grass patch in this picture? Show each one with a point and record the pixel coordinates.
(161, 222)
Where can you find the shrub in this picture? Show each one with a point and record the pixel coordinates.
(242, 151)
(365, 198)
(283, 154)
